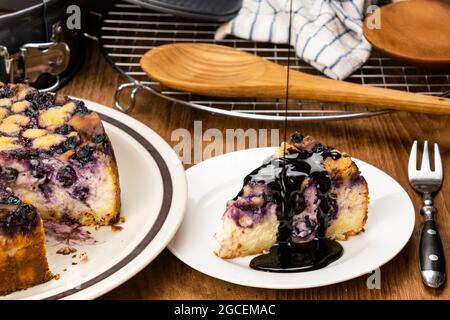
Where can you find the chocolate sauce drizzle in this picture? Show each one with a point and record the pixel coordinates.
(295, 252)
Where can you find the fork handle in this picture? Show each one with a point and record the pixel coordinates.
(431, 255)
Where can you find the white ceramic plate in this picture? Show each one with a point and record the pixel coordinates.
(153, 195)
(213, 182)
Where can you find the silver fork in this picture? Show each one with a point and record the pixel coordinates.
(425, 181)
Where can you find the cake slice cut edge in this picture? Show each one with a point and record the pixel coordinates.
(352, 194)
(249, 226)
(23, 260)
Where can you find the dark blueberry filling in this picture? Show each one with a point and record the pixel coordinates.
(69, 144)
(33, 122)
(41, 100)
(80, 193)
(304, 228)
(20, 154)
(13, 200)
(67, 176)
(107, 148)
(64, 129)
(32, 111)
(7, 197)
(25, 141)
(333, 210)
(297, 138)
(32, 95)
(9, 174)
(308, 222)
(37, 170)
(25, 154)
(99, 138)
(356, 179)
(23, 220)
(46, 190)
(80, 108)
(245, 206)
(299, 203)
(84, 154)
(6, 92)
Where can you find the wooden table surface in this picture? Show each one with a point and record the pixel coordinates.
(384, 141)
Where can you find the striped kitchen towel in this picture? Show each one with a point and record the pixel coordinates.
(325, 33)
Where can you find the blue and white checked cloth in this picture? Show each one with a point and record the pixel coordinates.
(325, 33)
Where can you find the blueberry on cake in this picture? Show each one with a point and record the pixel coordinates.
(56, 157)
(304, 192)
(54, 154)
(23, 261)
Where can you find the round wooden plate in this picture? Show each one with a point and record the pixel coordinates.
(415, 31)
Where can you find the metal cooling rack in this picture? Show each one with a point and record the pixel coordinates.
(128, 31)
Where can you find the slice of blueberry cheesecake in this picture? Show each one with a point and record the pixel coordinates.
(305, 191)
(23, 261)
(55, 155)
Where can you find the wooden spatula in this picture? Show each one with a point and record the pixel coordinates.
(416, 31)
(215, 70)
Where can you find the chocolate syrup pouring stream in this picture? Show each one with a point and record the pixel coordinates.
(289, 254)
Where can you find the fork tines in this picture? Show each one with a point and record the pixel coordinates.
(425, 170)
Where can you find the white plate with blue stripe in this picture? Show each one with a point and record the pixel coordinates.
(153, 196)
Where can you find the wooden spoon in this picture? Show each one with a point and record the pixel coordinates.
(215, 70)
(417, 32)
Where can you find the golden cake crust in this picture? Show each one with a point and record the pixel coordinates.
(23, 261)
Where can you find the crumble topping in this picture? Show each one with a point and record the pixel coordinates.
(51, 138)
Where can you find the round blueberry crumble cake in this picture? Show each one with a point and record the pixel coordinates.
(57, 162)
(293, 206)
